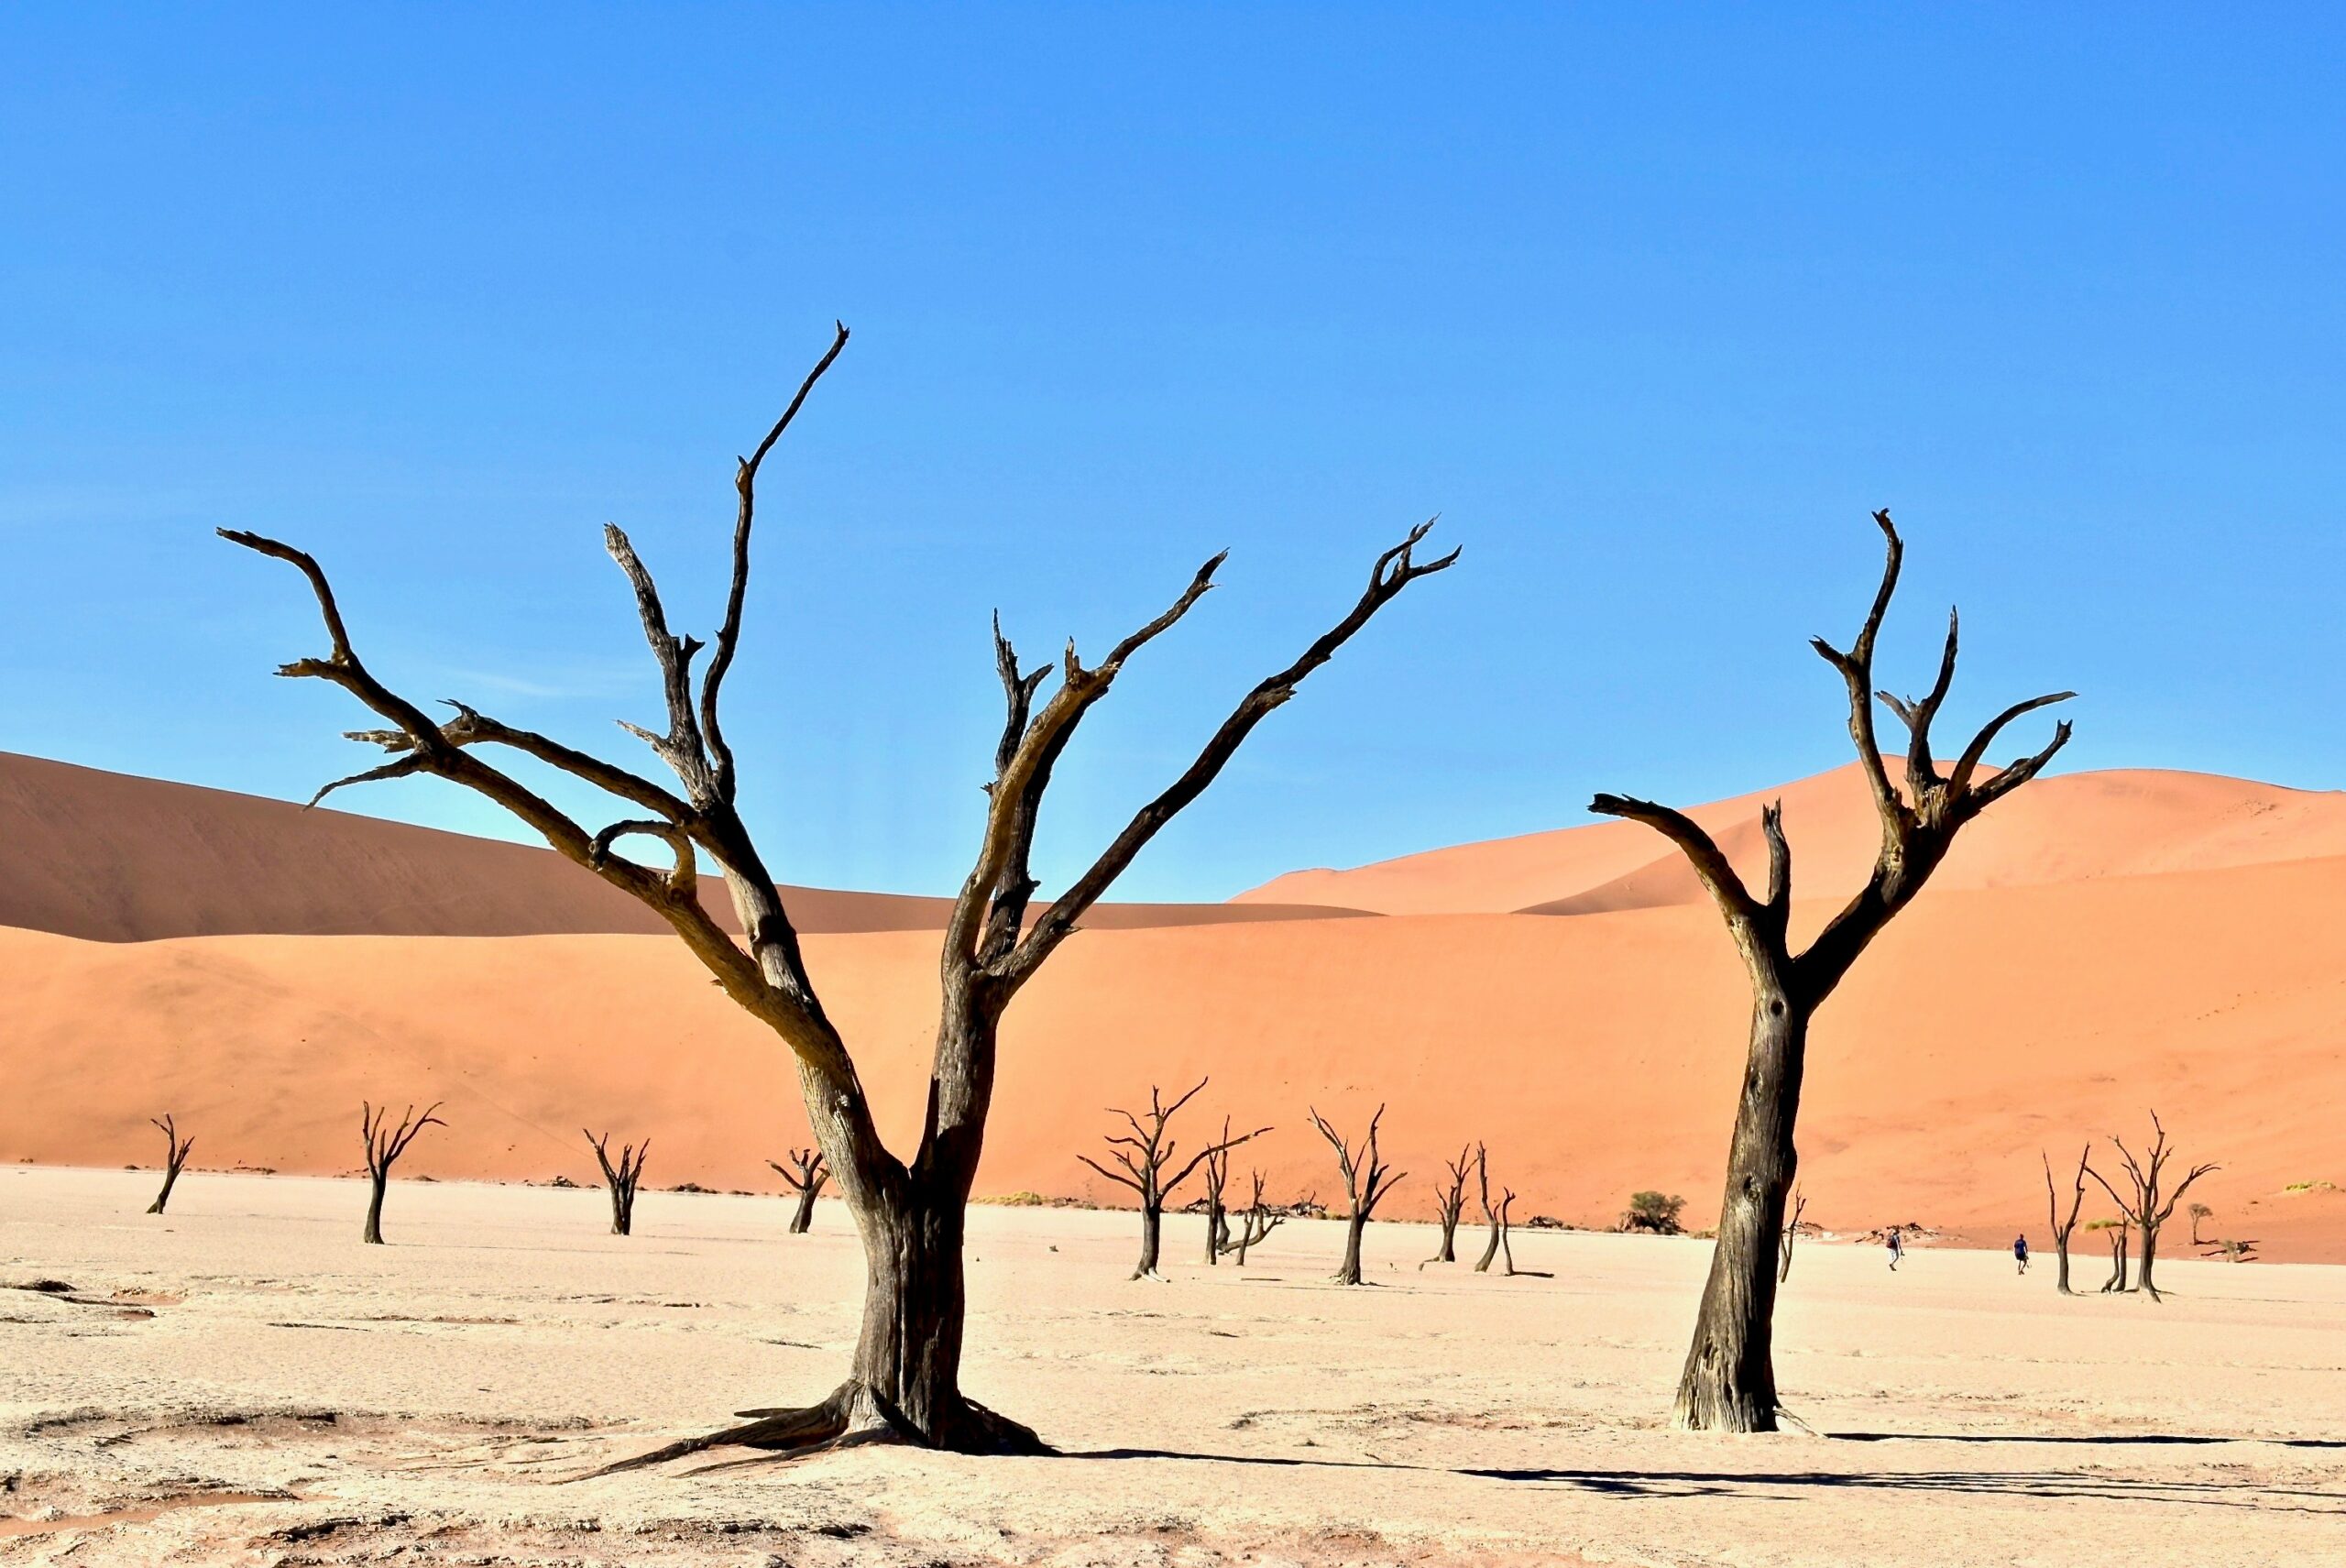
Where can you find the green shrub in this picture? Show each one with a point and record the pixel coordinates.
(1655, 1212)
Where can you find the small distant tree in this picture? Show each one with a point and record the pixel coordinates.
(1792, 1233)
(1506, 1224)
(620, 1179)
(804, 1175)
(1258, 1220)
(1490, 1213)
(175, 1152)
(1449, 1201)
(2147, 1203)
(2200, 1214)
(1656, 1212)
(1366, 1180)
(1217, 1169)
(385, 1144)
(2118, 1232)
(1142, 1154)
(2063, 1229)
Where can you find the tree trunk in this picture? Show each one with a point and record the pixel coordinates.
(1152, 1236)
(2061, 1262)
(804, 1215)
(1490, 1248)
(2150, 1251)
(1217, 1230)
(170, 1178)
(1448, 1252)
(1349, 1274)
(622, 1211)
(374, 1236)
(1729, 1383)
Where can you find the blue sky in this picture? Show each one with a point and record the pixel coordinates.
(1651, 303)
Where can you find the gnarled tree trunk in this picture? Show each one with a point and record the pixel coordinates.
(175, 1152)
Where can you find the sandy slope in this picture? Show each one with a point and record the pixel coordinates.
(2068, 828)
(1595, 1054)
(414, 1403)
(119, 859)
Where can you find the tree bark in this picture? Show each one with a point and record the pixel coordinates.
(170, 1180)
(374, 1234)
(1348, 1272)
(1729, 1381)
(1152, 1240)
(803, 1216)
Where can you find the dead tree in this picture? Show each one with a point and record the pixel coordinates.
(1259, 1220)
(2064, 1228)
(620, 1179)
(1142, 1154)
(2148, 1203)
(804, 1175)
(1217, 1178)
(1792, 1233)
(1366, 1180)
(2118, 1233)
(385, 1144)
(1506, 1226)
(1729, 1382)
(905, 1381)
(1490, 1214)
(175, 1153)
(1448, 1201)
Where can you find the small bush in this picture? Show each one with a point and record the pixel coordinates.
(1654, 1212)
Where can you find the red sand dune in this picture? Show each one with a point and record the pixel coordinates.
(119, 859)
(2070, 975)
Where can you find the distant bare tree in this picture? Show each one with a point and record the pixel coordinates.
(1142, 1154)
(910, 1211)
(804, 1175)
(1259, 1220)
(2119, 1233)
(1450, 1201)
(175, 1153)
(1217, 1169)
(385, 1144)
(2064, 1228)
(1366, 1180)
(1729, 1381)
(2148, 1205)
(1792, 1233)
(1490, 1214)
(620, 1177)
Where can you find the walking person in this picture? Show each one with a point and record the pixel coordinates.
(2019, 1251)
(1897, 1245)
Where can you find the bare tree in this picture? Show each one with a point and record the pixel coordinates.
(1490, 1214)
(905, 1381)
(2119, 1231)
(2148, 1205)
(1450, 1201)
(1506, 1226)
(1729, 1382)
(804, 1175)
(1259, 1220)
(175, 1153)
(2064, 1228)
(1792, 1233)
(1142, 1154)
(1366, 1180)
(385, 1144)
(620, 1179)
(1217, 1168)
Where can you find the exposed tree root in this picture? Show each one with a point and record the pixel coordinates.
(853, 1417)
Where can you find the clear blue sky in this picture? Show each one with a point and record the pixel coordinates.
(1652, 303)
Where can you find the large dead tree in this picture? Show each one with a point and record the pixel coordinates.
(385, 1144)
(1490, 1214)
(175, 1153)
(1366, 1180)
(804, 1175)
(1142, 1155)
(2148, 1203)
(2063, 1229)
(1729, 1382)
(620, 1179)
(905, 1381)
(1258, 1222)
(1449, 1201)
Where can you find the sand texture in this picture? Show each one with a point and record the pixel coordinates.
(242, 1382)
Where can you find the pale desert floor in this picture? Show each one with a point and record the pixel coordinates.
(243, 1382)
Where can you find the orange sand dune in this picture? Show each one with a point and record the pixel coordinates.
(119, 859)
(2067, 828)
(1595, 1054)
